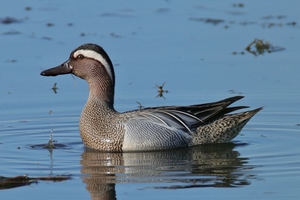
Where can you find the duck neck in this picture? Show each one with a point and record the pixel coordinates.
(102, 92)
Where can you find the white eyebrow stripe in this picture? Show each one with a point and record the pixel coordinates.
(96, 56)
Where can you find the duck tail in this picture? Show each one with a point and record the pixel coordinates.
(223, 129)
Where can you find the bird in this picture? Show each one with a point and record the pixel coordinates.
(148, 129)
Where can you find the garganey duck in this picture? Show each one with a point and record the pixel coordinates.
(154, 128)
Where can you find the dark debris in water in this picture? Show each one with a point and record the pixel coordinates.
(208, 20)
(11, 32)
(238, 5)
(17, 181)
(232, 91)
(46, 38)
(266, 23)
(49, 24)
(11, 60)
(9, 20)
(162, 10)
(268, 17)
(28, 8)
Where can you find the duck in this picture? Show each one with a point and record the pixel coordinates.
(147, 129)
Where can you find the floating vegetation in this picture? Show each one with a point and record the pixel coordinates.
(259, 47)
(17, 181)
(161, 91)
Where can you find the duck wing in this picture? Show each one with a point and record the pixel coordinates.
(188, 118)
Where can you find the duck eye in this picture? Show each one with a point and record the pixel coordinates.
(80, 57)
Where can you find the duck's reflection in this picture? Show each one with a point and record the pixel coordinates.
(203, 166)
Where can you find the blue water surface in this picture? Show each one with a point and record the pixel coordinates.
(197, 48)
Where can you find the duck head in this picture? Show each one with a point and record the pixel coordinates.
(91, 63)
(86, 61)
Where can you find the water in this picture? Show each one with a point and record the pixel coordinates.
(151, 43)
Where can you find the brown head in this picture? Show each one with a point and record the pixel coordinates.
(91, 63)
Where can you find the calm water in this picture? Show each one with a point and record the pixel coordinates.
(198, 50)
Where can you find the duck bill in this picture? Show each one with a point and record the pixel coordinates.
(64, 68)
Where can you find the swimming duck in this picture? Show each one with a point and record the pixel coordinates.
(153, 128)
